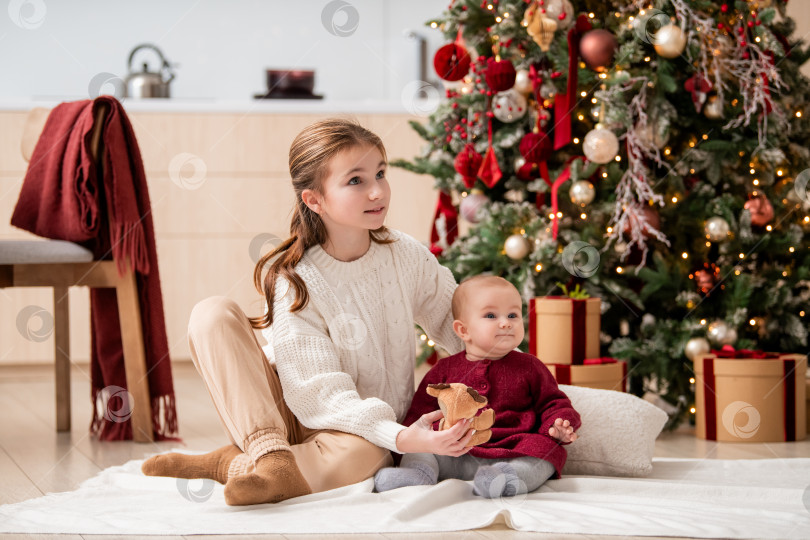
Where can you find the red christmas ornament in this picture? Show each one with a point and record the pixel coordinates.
(452, 62)
(706, 277)
(468, 163)
(597, 48)
(500, 75)
(761, 210)
(645, 218)
(535, 147)
(490, 173)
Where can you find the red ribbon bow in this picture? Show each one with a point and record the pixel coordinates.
(727, 351)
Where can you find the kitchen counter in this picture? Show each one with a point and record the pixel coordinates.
(247, 106)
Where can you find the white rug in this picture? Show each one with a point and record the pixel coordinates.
(767, 498)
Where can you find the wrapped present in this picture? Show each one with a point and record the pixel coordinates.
(601, 373)
(750, 396)
(564, 330)
(807, 411)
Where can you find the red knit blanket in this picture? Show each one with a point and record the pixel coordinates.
(63, 197)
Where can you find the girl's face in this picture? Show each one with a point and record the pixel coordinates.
(355, 193)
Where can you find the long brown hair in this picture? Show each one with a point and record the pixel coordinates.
(310, 155)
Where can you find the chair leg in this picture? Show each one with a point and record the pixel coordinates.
(61, 318)
(134, 357)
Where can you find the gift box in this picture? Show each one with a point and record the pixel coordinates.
(750, 396)
(601, 373)
(563, 330)
(807, 411)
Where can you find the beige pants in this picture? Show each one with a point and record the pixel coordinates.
(248, 397)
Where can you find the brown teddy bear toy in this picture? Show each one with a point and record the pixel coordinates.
(457, 402)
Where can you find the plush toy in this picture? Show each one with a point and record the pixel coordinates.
(457, 401)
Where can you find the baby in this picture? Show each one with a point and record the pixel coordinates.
(533, 417)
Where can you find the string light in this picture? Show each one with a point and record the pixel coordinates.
(791, 249)
(806, 220)
(691, 380)
(581, 117)
(646, 58)
(619, 269)
(618, 158)
(692, 410)
(752, 171)
(736, 272)
(593, 100)
(430, 343)
(798, 114)
(434, 25)
(604, 174)
(691, 144)
(705, 136)
(538, 267)
(703, 322)
(801, 313)
(423, 337)
(685, 255)
(742, 255)
(559, 214)
(498, 19)
(756, 181)
(583, 93)
(769, 228)
(489, 6)
(576, 140)
(591, 15)
(708, 244)
(583, 215)
(779, 172)
(674, 200)
(610, 230)
(752, 322)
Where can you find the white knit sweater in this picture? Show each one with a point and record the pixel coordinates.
(346, 360)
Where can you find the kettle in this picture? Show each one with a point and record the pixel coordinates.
(149, 84)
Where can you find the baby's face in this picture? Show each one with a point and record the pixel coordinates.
(494, 320)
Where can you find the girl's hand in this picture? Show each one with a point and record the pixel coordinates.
(420, 437)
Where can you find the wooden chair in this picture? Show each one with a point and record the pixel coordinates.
(60, 265)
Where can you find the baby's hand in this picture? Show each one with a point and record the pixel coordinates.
(562, 431)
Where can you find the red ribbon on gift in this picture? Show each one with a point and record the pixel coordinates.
(727, 351)
(597, 361)
(709, 384)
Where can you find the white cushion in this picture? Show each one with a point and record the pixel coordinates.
(617, 436)
(42, 252)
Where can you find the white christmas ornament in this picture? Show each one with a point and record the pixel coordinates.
(473, 206)
(600, 145)
(581, 192)
(720, 333)
(523, 82)
(695, 347)
(554, 8)
(716, 229)
(517, 246)
(509, 105)
(669, 41)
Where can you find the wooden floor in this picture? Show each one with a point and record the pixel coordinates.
(35, 460)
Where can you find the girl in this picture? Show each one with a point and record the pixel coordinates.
(343, 294)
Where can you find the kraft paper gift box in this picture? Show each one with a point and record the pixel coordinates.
(563, 330)
(600, 373)
(740, 399)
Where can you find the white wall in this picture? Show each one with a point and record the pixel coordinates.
(222, 47)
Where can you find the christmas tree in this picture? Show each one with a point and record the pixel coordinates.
(654, 153)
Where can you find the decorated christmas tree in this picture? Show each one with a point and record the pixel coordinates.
(654, 153)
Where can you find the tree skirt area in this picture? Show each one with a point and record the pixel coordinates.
(708, 498)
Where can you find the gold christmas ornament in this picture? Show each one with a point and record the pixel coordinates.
(713, 108)
(517, 246)
(541, 28)
(669, 41)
